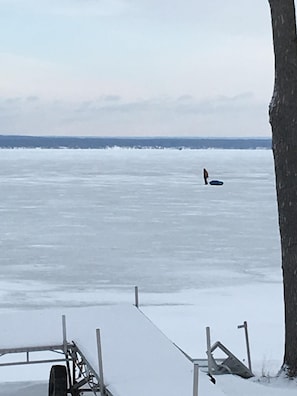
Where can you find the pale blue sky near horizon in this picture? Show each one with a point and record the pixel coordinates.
(136, 67)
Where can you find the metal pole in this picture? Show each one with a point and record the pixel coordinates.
(244, 325)
(195, 379)
(64, 334)
(65, 349)
(100, 362)
(136, 297)
(208, 350)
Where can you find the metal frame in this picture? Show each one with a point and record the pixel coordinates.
(81, 376)
(27, 351)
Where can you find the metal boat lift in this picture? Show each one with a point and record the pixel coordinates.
(71, 372)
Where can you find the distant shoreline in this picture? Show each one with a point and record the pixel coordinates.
(71, 142)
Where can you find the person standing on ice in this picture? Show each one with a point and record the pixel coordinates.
(205, 176)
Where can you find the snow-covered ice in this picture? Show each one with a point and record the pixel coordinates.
(82, 227)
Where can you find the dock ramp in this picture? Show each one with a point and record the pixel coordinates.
(138, 359)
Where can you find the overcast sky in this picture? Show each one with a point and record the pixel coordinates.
(135, 67)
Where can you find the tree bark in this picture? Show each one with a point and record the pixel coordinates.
(283, 119)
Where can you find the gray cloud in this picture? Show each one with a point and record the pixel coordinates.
(240, 115)
(114, 103)
(183, 104)
(32, 98)
(12, 101)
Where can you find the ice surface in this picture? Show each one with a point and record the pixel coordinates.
(82, 227)
(110, 219)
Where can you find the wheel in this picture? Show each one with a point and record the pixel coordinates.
(57, 385)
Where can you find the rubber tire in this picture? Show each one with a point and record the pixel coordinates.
(57, 385)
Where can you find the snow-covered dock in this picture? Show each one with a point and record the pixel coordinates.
(138, 359)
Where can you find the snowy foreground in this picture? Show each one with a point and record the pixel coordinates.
(81, 228)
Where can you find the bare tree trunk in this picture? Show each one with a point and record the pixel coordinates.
(283, 119)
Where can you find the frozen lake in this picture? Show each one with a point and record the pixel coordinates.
(83, 227)
(77, 223)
